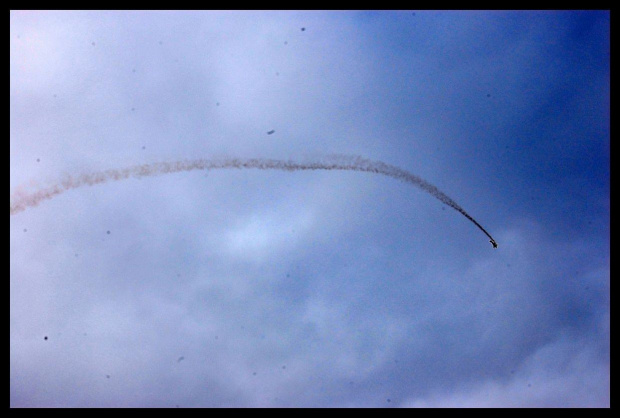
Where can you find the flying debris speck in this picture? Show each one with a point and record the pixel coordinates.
(38, 160)
(488, 95)
(270, 132)
(45, 338)
(108, 232)
(92, 43)
(180, 359)
(303, 29)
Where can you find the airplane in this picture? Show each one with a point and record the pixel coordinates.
(493, 243)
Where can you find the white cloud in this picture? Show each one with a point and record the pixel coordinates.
(561, 374)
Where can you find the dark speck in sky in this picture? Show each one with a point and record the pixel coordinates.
(45, 338)
(217, 104)
(107, 376)
(38, 159)
(143, 147)
(285, 42)
(270, 132)
(303, 29)
(25, 230)
(92, 43)
(180, 359)
(108, 232)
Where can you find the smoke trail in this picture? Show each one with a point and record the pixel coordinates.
(21, 200)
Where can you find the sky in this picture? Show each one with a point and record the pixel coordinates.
(315, 288)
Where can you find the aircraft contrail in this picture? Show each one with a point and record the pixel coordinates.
(22, 200)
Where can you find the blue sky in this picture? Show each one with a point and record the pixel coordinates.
(255, 288)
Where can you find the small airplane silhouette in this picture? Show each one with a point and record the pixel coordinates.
(493, 243)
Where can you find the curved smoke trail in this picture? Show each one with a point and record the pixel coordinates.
(20, 200)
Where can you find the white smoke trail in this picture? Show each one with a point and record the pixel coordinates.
(22, 200)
